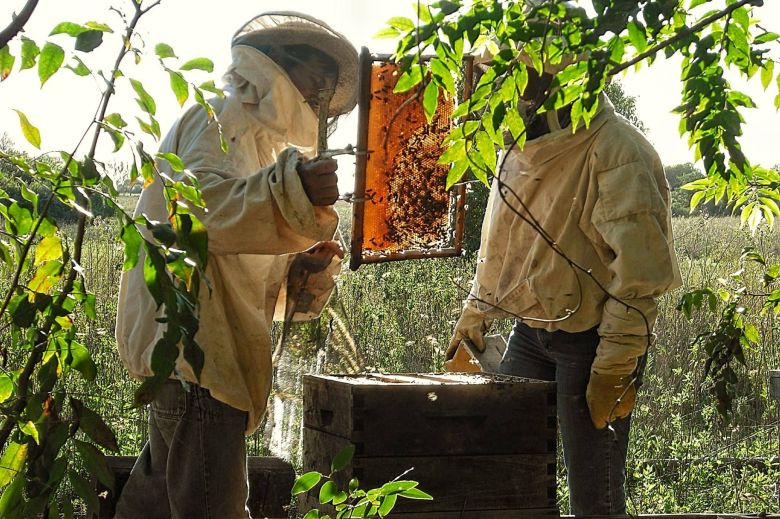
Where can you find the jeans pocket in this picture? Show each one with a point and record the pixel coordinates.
(170, 401)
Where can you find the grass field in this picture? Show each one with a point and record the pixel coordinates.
(397, 317)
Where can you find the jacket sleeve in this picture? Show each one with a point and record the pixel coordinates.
(632, 217)
(266, 212)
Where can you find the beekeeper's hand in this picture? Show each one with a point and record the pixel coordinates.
(610, 397)
(471, 327)
(318, 257)
(320, 181)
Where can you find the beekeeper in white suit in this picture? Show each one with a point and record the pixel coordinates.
(265, 202)
(601, 197)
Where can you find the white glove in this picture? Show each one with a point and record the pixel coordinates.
(471, 327)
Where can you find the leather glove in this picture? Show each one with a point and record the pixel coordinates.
(471, 327)
(610, 397)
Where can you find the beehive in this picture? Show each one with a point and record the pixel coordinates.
(482, 446)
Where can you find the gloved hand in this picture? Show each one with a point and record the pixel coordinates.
(471, 327)
(320, 181)
(609, 397)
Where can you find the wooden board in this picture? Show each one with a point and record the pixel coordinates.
(433, 415)
(270, 482)
(457, 483)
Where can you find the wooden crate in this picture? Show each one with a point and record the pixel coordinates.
(270, 482)
(478, 444)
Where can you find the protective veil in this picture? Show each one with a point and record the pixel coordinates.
(258, 216)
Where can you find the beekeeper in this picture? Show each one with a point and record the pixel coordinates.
(266, 201)
(576, 246)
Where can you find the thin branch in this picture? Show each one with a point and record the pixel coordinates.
(684, 33)
(17, 24)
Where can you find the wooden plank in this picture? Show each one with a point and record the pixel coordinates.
(270, 482)
(489, 482)
(404, 415)
(685, 516)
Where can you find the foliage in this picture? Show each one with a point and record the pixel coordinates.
(353, 501)
(710, 36)
(680, 175)
(49, 436)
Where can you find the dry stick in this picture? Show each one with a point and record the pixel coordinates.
(40, 347)
(17, 24)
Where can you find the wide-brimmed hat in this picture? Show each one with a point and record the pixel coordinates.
(292, 28)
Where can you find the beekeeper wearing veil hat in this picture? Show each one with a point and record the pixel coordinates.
(267, 203)
(577, 254)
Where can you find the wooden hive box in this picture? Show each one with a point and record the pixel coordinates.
(482, 445)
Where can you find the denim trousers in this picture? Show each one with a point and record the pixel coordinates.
(595, 459)
(194, 464)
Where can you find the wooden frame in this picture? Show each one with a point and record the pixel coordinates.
(358, 255)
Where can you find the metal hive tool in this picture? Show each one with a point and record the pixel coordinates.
(402, 210)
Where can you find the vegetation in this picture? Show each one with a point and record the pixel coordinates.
(50, 437)
(64, 399)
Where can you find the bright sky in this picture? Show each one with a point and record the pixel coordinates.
(64, 106)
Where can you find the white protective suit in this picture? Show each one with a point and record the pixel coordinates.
(257, 216)
(602, 196)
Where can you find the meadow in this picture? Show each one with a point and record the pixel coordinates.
(397, 317)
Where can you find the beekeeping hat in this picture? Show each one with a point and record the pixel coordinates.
(276, 28)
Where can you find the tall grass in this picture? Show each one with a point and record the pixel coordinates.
(397, 317)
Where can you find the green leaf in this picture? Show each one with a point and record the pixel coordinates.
(50, 248)
(11, 462)
(430, 100)
(6, 388)
(94, 426)
(637, 36)
(80, 69)
(80, 359)
(6, 62)
(163, 51)
(387, 505)
(46, 276)
(306, 482)
(50, 61)
(487, 150)
(766, 73)
(767, 37)
(328, 491)
(95, 462)
(86, 492)
(408, 79)
(199, 64)
(312, 514)
(30, 430)
(145, 101)
(209, 86)
(88, 41)
(386, 33)
(115, 120)
(69, 28)
(401, 23)
(179, 86)
(30, 132)
(343, 458)
(416, 493)
(12, 497)
(30, 52)
(456, 172)
(98, 26)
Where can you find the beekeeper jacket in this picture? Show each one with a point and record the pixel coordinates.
(257, 216)
(600, 195)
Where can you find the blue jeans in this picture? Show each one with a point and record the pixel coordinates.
(194, 464)
(595, 459)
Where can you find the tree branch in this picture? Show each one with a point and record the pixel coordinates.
(17, 24)
(683, 33)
